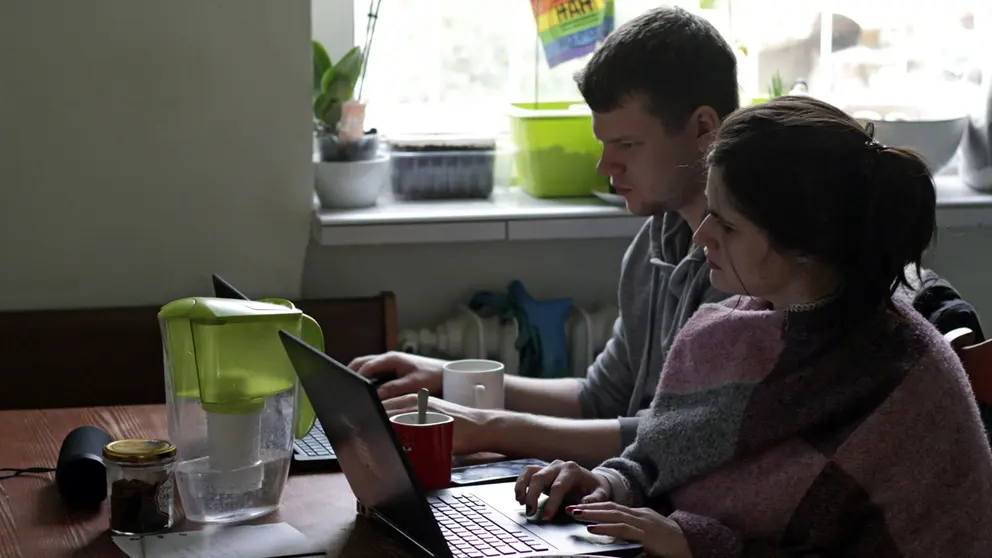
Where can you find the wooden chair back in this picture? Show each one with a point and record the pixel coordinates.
(113, 356)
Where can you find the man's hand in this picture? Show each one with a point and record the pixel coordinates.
(660, 535)
(468, 422)
(413, 372)
(563, 482)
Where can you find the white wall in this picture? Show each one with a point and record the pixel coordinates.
(430, 279)
(146, 144)
(334, 25)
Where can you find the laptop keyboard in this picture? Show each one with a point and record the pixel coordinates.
(315, 443)
(466, 525)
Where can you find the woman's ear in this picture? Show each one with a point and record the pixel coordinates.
(810, 267)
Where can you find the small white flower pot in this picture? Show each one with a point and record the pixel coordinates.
(351, 184)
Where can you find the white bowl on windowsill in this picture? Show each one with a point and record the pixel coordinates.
(935, 135)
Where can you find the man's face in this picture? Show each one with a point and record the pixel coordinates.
(654, 169)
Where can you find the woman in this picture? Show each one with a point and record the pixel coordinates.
(815, 414)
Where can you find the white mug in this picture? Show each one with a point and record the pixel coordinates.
(474, 383)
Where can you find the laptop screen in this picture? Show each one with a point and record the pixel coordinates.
(359, 431)
(223, 289)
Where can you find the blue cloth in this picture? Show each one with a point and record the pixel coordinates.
(541, 339)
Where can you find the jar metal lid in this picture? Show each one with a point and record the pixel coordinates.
(139, 451)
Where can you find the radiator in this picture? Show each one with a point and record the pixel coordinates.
(466, 334)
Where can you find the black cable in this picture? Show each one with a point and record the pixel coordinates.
(18, 472)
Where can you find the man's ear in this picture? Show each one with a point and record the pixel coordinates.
(705, 122)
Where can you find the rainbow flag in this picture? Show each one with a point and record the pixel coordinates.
(571, 28)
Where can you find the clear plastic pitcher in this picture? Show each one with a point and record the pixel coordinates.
(234, 402)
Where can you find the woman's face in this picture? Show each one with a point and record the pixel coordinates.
(741, 257)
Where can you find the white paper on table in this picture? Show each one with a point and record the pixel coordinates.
(274, 540)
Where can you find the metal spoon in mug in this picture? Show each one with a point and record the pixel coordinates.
(422, 396)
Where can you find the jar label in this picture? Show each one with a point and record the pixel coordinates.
(163, 497)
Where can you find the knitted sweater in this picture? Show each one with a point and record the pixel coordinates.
(776, 433)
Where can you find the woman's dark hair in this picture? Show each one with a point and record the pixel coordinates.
(821, 187)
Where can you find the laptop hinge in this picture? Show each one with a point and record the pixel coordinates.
(371, 514)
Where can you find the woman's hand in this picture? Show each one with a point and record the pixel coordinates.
(560, 480)
(659, 535)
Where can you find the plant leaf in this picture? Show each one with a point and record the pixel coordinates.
(320, 105)
(325, 82)
(331, 115)
(321, 62)
(350, 66)
(340, 90)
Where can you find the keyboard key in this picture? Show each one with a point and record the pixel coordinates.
(520, 547)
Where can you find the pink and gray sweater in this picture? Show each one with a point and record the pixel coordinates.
(776, 433)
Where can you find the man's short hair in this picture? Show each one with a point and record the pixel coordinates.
(676, 60)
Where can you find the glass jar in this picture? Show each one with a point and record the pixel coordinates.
(140, 485)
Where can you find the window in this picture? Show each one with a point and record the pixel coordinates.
(454, 65)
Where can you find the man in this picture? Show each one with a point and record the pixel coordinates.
(658, 87)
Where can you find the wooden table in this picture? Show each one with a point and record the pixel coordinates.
(34, 523)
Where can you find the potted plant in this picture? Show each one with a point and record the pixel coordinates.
(350, 170)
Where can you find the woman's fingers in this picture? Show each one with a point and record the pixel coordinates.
(587, 515)
(520, 488)
(619, 530)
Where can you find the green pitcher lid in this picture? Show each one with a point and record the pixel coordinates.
(208, 309)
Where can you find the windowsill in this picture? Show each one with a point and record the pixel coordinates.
(511, 215)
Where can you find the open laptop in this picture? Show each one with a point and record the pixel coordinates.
(313, 449)
(462, 522)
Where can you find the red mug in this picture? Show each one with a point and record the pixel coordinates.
(427, 447)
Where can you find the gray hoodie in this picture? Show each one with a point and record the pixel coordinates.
(663, 281)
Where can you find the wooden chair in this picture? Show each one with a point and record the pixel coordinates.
(355, 326)
(977, 361)
(113, 356)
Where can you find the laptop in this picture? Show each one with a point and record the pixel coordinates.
(313, 449)
(223, 289)
(461, 522)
